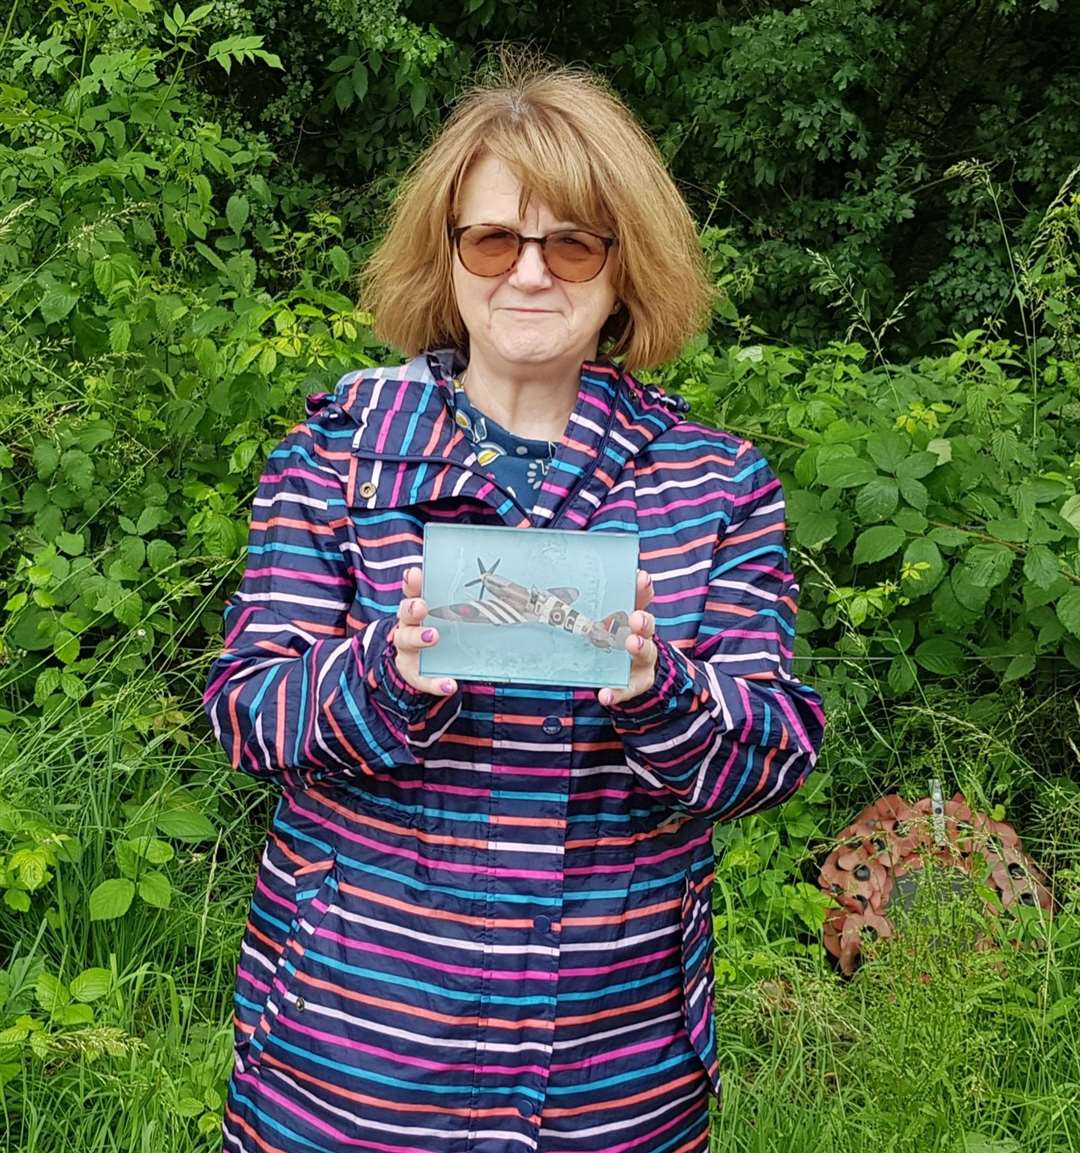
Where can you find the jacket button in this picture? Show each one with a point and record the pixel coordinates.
(301, 1005)
(367, 490)
(541, 924)
(524, 1106)
(552, 726)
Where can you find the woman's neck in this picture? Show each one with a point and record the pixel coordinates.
(530, 401)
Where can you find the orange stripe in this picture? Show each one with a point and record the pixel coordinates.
(369, 822)
(679, 549)
(668, 1087)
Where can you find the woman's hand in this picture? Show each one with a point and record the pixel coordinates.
(409, 638)
(640, 646)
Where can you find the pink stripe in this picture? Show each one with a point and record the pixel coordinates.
(613, 1054)
(397, 483)
(550, 486)
(378, 586)
(259, 1086)
(388, 420)
(599, 970)
(252, 980)
(412, 855)
(750, 497)
(287, 905)
(471, 971)
(303, 474)
(667, 598)
(294, 574)
(415, 1062)
(663, 510)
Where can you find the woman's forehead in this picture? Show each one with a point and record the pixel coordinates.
(490, 191)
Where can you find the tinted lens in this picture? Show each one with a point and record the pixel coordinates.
(487, 251)
(575, 255)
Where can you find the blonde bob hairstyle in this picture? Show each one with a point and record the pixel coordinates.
(571, 142)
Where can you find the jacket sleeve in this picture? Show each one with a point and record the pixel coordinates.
(299, 695)
(726, 729)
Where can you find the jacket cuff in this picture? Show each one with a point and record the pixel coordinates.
(414, 716)
(672, 693)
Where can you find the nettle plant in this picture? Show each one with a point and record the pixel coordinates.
(933, 506)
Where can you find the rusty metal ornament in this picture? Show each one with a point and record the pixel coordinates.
(876, 857)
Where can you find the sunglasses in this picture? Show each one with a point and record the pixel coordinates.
(570, 253)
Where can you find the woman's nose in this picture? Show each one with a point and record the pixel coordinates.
(530, 267)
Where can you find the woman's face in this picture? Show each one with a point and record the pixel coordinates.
(525, 316)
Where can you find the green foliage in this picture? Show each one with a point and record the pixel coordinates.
(185, 197)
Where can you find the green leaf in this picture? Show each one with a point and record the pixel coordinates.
(160, 554)
(91, 984)
(1041, 566)
(57, 302)
(917, 465)
(878, 543)
(360, 79)
(185, 824)
(343, 93)
(111, 899)
(987, 565)
(70, 542)
(78, 470)
(845, 472)
(901, 674)
(74, 1015)
(923, 552)
(237, 211)
(51, 992)
(887, 449)
(1070, 511)
(66, 647)
(154, 888)
(46, 459)
(119, 335)
(1011, 528)
(914, 492)
(940, 655)
(1019, 666)
(418, 97)
(877, 500)
(1068, 611)
(816, 528)
(151, 849)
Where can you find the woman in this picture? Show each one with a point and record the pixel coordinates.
(482, 921)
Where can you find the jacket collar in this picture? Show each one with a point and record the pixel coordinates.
(403, 412)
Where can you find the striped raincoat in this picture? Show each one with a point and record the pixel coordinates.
(482, 923)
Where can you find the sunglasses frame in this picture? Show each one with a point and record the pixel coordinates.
(455, 234)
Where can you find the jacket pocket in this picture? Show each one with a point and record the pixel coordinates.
(316, 888)
(699, 980)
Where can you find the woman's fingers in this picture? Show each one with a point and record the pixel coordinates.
(411, 635)
(645, 590)
(642, 649)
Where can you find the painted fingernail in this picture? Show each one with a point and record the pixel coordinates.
(606, 696)
(447, 687)
(427, 636)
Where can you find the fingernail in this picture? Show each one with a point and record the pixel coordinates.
(414, 608)
(428, 635)
(447, 687)
(640, 643)
(606, 696)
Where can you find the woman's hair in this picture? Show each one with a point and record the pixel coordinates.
(571, 142)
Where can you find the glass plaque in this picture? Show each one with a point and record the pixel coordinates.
(534, 606)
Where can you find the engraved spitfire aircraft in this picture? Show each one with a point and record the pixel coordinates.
(510, 603)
